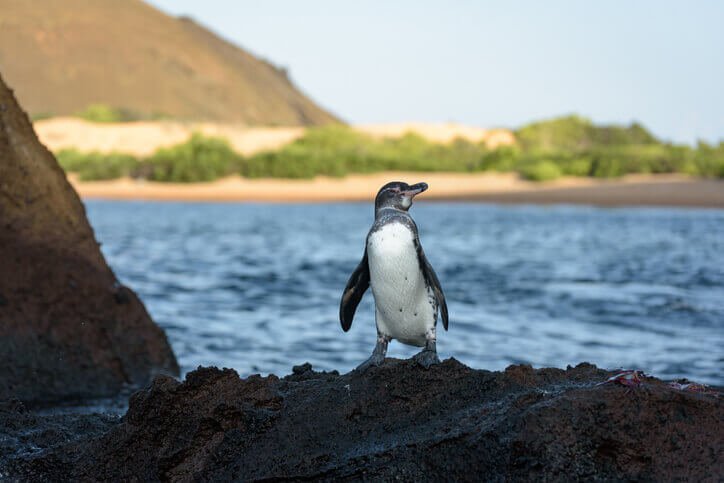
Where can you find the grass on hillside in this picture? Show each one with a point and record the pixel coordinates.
(544, 151)
(103, 113)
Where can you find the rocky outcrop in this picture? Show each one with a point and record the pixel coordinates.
(67, 327)
(402, 422)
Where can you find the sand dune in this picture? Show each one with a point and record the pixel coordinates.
(143, 138)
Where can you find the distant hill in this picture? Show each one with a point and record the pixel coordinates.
(62, 56)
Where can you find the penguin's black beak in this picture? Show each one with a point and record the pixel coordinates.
(416, 189)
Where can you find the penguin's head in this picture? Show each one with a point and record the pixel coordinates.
(398, 195)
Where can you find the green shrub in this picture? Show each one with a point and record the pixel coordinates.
(71, 160)
(39, 116)
(198, 159)
(580, 148)
(339, 150)
(563, 133)
(606, 167)
(104, 113)
(97, 166)
(330, 150)
(540, 171)
(708, 160)
(110, 166)
(504, 158)
(100, 113)
(575, 133)
(578, 166)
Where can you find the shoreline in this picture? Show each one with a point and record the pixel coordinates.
(632, 190)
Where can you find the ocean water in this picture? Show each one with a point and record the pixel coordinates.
(256, 287)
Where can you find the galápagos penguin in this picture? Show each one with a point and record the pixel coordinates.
(406, 289)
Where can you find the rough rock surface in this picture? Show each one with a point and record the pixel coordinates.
(67, 327)
(58, 433)
(400, 421)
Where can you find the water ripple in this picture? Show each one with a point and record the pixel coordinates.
(256, 287)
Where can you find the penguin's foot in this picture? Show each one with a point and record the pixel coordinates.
(427, 358)
(374, 360)
(378, 355)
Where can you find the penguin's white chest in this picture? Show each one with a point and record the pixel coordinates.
(402, 299)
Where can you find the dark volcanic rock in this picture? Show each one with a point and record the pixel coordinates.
(67, 328)
(38, 444)
(402, 422)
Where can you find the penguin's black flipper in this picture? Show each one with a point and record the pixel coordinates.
(432, 282)
(357, 284)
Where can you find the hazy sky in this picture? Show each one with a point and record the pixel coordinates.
(492, 63)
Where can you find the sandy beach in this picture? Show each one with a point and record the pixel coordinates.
(664, 190)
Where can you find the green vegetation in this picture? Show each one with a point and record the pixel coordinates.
(567, 146)
(198, 159)
(340, 150)
(39, 116)
(98, 166)
(103, 113)
(541, 171)
(545, 150)
(575, 133)
(580, 148)
(336, 151)
(106, 114)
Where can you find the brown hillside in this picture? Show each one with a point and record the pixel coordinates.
(64, 55)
